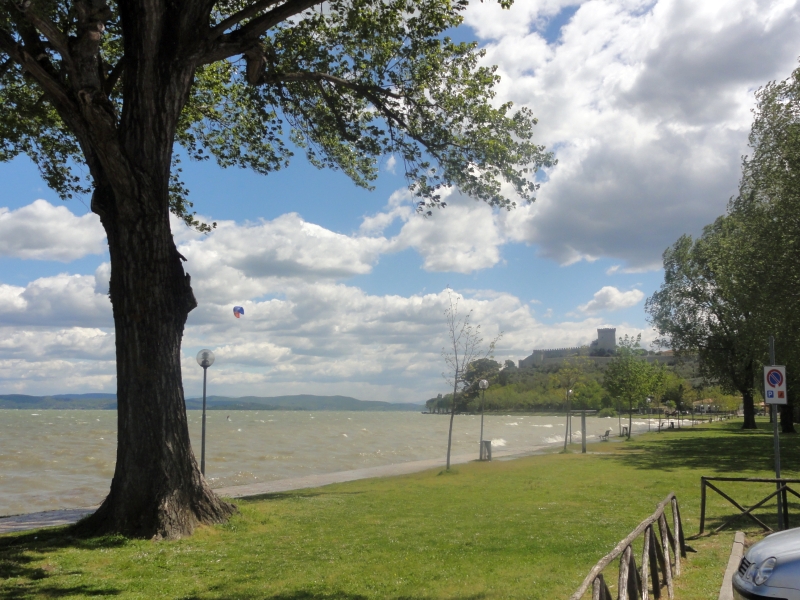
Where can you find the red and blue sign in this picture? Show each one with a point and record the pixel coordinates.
(775, 385)
(774, 377)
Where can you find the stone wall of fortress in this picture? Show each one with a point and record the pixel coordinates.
(606, 342)
(598, 360)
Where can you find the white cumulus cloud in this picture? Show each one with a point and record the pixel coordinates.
(248, 260)
(62, 300)
(610, 298)
(464, 237)
(647, 106)
(45, 232)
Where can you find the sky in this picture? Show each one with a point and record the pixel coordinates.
(647, 107)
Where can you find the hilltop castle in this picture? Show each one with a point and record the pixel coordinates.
(604, 345)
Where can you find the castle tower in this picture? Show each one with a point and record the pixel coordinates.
(607, 339)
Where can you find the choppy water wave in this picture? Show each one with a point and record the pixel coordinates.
(63, 459)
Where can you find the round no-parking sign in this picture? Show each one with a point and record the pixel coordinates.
(775, 384)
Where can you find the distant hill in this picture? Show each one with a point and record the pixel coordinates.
(61, 401)
(298, 402)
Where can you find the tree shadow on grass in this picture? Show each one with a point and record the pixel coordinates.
(72, 591)
(294, 595)
(19, 555)
(480, 596)
(735, 521)
(296, 495)
(727, 449)
(324, 595)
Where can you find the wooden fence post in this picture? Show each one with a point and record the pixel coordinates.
(629, 583)
(785, 506)
(646, 563)
(645, 583)
(622, 581)
(662, 525)
(675, 543)
(600, 590)
(653, 548)
(681, 536)
(635, 579)
(702, 504)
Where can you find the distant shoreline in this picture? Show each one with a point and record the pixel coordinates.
(303, 402)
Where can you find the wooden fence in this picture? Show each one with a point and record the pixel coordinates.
(657, 565)
(781, 488)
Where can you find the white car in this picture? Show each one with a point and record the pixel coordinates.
(770, 569)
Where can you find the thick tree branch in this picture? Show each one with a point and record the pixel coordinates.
(241, 40)
(49, 30)
(47, 80)
(86, 111)
(245, 13)
(30, 39)
(85, 47)
(255, 28)
(113, 76)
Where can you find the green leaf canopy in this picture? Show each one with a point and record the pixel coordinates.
(347, 82)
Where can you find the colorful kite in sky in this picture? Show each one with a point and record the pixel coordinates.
(238, 311)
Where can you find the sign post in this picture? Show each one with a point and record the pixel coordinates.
(775, 394)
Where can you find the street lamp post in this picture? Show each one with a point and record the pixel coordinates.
(205, 358)
(568, 430)
(483, 384)
(569, 411)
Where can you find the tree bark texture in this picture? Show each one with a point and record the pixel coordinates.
(744, 381)
(749, 410)
(157, 490)
(787, 416)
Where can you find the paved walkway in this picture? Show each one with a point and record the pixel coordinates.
(55, 518)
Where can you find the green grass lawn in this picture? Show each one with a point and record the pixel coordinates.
(524, 528)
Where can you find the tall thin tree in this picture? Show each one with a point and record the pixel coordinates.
(464, 346)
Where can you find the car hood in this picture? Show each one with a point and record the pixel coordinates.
(785, 546)
(777, 544)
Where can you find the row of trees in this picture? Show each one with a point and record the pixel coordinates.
(725, 292)
(631, 378)
(593, 386)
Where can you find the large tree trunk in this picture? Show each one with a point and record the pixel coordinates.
(749, 410)
(157, 490)
(787, 417)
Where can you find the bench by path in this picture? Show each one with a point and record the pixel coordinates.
(56, 518)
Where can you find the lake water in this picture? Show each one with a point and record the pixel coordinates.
(53, 459)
